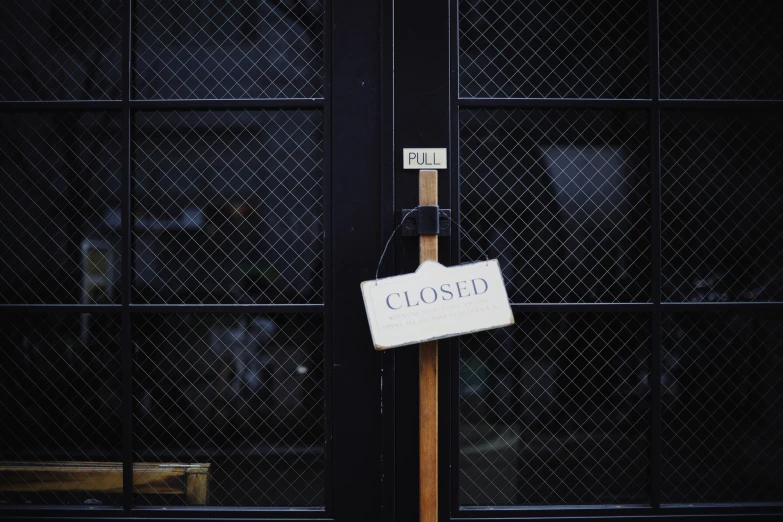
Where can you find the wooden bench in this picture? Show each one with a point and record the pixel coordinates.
(191, 480)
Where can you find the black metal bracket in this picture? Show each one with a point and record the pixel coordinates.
(426, 220)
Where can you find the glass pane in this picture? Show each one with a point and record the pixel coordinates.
(545, 49)
(561, 198)
(721, 206)
(721, 49)
(228, 207)
(60, 49)
(721, 422)
(228, 50)
(555, 411)
(60, 383)
(239, 398)
(59, 205)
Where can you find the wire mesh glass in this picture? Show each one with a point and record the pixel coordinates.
(722, 408)
(228, 50)
(59, 205)
(722, 195)
(228, 206)
(242, 394)
(561, 199)
(555, 411)
(546, 49)
(60, 50)
(721, 49)
(60, 381)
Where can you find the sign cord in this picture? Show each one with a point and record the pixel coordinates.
(388, 241)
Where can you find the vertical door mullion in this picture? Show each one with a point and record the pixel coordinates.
(422, 110)
(452, 406)
(353, 101)
(655, 261)
(327, 259)
(125, 260)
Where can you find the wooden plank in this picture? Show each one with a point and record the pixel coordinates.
(73, 465)
(198, 489)
(106, 477)
(428, 377)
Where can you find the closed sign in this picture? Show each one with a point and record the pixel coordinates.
(436, 302)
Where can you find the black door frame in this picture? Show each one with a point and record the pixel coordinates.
(426, 114)
(352, 199)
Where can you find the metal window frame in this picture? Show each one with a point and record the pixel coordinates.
(346, 54)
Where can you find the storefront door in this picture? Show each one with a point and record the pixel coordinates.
(190, 198)
(622, 161)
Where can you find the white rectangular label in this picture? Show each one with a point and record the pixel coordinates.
(424, 158)
(436, 302)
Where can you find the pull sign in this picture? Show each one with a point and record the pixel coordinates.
(436, 302)
(424, 158)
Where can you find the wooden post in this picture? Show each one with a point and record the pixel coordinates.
(428, 376)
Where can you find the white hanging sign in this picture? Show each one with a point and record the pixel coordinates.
(436, 302)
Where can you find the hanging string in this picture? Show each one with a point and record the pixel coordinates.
(391, 236)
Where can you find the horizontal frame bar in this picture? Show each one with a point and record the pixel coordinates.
(636, 517)
(316, 103)
(554, 103)
(581, 307)
(163, 308)
(608, 103)
(647, 307)
(620, 512)
(749, 307)
(80, 513)
(228, 308)
(82, 105)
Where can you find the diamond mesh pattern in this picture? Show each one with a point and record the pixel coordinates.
(555, 411)
(722, 194)
(59, 206)
(243, 393)
(59, 401)
(60, 50)
(545, 49)
(228, 50)
(721, 49)
(561, 198)
(229, 206)
(722, 411)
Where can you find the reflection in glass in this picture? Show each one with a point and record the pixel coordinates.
(228, 207)
(555, 411)
(561, 199)
(60, 382)
(60, 50)
(565, 49)
(239, 395)
(721, 201)
(59, 205)
(721, 422)
(228, 50)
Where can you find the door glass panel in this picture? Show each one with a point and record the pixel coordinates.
(228, 49)
(239, 398)
(60, 384)
(60, 207)
(721, 427)
(722, 193)
(721, 50)
(60, 50)
(561, 198)
(228, 207)
(555, 411)
(546, 49)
